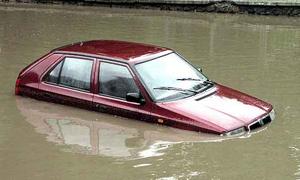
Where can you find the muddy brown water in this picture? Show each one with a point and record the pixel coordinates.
(255, 54)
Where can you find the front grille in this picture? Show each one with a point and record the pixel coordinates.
(259, 123)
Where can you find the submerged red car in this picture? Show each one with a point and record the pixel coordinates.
(144, 82)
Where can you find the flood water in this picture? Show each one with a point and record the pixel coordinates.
(256, 54)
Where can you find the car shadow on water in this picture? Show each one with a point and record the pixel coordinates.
(92, 133)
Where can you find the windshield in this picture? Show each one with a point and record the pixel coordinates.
(170, 77)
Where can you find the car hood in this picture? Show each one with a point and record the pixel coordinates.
(222, 107)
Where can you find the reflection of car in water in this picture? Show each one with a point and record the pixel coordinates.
(101, 134)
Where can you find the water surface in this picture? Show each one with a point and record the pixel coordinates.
(255, 54)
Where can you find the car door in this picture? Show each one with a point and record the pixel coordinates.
(69, 81)
(114, 81)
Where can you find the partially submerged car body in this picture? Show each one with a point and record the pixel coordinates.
(136, 81)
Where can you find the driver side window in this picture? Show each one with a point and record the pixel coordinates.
(116, 80)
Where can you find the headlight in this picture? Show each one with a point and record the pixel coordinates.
(272, 114)
(235, 132)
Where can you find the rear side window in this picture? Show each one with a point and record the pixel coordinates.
(72, 72)
(54, 74)
(116, 80)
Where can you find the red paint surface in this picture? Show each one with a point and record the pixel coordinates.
(113, 49)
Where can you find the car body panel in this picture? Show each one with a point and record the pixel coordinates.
(30, 77)
(113, 49)
(223, 108)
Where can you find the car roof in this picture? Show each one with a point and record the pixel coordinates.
(120, 50)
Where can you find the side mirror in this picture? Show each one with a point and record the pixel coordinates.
(135, 97)
(199, 69)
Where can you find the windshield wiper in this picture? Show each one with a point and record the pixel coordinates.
(176, 89)
(194, 79)
(188, 79)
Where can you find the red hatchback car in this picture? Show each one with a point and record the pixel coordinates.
(144, 82)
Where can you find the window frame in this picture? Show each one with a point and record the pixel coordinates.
(118, 64)
(62, 60)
